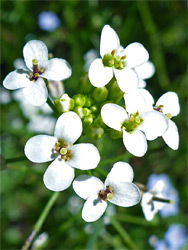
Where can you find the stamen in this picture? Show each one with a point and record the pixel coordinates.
(106, 194)
(162, 200)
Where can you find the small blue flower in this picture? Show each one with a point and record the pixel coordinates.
(169, 192)
(175, 236)
(160, 245)
(48, 20)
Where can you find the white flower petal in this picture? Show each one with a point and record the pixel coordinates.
(120, 172)
(126, 194)
(171, 136)
(40, 148)
(136, 55)
(58, 176)
(36, 92)
(86, 185)
(57, 69)
(142, 83)
(145, 70)
(113, 115)
(158, 187)
(68, 127)
(127, 79)
(140, 100)
(35, 49)
(109, 40)
(154, 124)
(170, 101)
(135, 142)
(84, 156)
(93, 208)
(98, 74)
(147, 207)
(16, 79)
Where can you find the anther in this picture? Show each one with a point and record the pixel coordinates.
(113, 52)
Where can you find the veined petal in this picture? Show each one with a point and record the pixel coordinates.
(84, 156)
(145, 70)
(170, 101)
(36, 92)
(139, 100)
(171, 136)
(126, 194)
(135, 142)
(109, 40)
(93, 208)
(35, 49)
(86, 185)
(98, 74)
(16, 79)
(113, 115)
(58, 176)
(127, 79)
(120, 172)
(57, 69)
(154, 125)
(40, 148)
(136, 55)
(68, 127)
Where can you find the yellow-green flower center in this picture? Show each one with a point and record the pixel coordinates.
(132, 123)
(110, 60)
(62, 148)
(160, 109)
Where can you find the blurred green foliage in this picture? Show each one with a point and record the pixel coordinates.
(161, 26)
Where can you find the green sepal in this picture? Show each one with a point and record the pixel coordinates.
(100, 94)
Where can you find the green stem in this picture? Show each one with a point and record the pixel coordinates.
(52, 106)
(125, 236)
(135, 220)
(158, 56)
(124, 157)
(16, 159)
(40, 221)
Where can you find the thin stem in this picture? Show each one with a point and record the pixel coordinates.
(124, 157)
(40, 220)
(158, 56)
(125, 236)
(135, 220)
(16, 159)
(52, 106)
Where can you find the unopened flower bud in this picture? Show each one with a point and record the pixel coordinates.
(88, 102)
(79, 111)
(115, 134)
(79, 100)
(94, 132)
(88, 120)
(100, 94)
(64, 103)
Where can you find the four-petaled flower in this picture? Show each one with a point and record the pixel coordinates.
(136, 122)
(118, 189)
(168, 104)
(123, 63)
(59, 148)
(38, 67)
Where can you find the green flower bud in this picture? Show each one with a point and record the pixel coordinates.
(115, 134)
(100, 94)
(84, 86)
(79, 111)
(94, 131)
(64, 103)
(88, 120)
(79, 100)
(98, 121)
(86, 111)
(93, 109)
(88, 102)
(115, 93)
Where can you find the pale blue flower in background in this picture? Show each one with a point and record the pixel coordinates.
(48, 20)
(175, 236)
(169, 192)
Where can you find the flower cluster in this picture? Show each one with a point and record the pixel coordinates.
(118, 75)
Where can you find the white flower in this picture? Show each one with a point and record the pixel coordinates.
(136, 122)
(118, 189)
(144, 71)
(60, 149)
(149, 203)
(38, 67)
(168, 104)
(123, 63)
